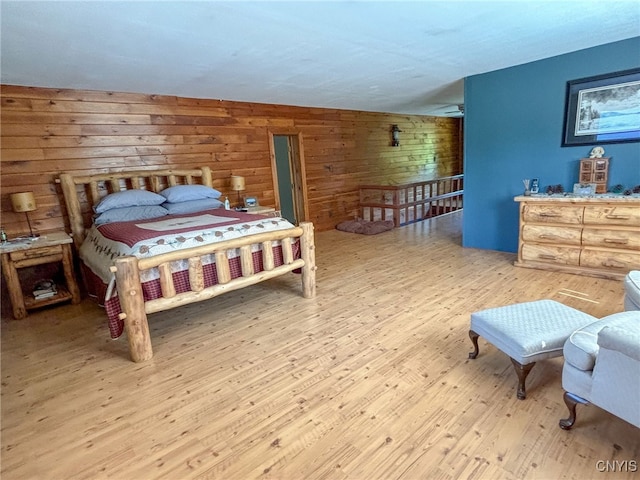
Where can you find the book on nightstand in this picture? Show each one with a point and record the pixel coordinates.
(44, 289)
(41, 296)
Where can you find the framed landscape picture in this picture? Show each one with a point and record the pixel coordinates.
(603, 109)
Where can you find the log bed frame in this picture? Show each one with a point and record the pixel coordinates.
(127, 269)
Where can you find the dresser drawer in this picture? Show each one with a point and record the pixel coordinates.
(550, 234)
(604, 237)
(610, 259)
(551, 254)
(552, 214)
(612, 215)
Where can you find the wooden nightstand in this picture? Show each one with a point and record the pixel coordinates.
(49, 248)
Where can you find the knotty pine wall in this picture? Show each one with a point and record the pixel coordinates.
(48, 131)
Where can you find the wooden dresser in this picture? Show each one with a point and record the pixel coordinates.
(596, 235)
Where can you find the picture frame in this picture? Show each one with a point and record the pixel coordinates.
(603, 109)
(584, 188)
(250, 202)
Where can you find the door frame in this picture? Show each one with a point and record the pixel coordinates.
(299, 163)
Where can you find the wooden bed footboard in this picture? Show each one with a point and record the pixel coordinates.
(135, 309)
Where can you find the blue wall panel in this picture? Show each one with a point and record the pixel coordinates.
(513, 130)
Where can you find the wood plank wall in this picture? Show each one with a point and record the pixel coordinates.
(48, 131)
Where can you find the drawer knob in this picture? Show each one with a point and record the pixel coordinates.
(547, 256)
(618, 217)
(548, 214)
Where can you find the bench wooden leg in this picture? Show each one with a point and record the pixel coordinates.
(474, 339)
(522, 371)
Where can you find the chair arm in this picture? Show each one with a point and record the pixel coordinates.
(615, 383)
(623, 338)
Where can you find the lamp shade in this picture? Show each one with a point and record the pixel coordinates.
(23, 202)
(237, 183)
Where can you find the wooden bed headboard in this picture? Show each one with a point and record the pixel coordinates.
(94, 187)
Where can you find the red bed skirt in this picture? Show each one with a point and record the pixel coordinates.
(151, 289)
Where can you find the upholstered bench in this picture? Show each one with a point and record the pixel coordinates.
(527, 332)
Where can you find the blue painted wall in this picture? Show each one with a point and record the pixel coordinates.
(513, 130)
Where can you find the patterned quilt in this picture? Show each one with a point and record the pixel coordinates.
(147, 238)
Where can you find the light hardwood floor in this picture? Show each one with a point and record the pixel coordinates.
(369, 380)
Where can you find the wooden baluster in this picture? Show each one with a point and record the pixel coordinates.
(196, 274)
(287, 251)
(396, 208)
(95, 193)
(268, 262)
(246, 261)
(156, 186)
(222, 267)
(166, 280)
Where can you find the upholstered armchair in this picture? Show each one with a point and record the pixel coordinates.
(602, 367)
(632, 290)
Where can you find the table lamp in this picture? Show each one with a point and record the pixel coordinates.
(237, 184)
(24, 202)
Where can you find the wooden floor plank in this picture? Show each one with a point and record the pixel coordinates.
(370, 379)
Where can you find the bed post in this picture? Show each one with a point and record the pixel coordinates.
(132, 305)
(308, 253)
(73, 208)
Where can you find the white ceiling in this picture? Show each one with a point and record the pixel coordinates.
(390, 56)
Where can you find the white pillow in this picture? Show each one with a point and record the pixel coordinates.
(184, 193)
(192, 206)
(128, 198)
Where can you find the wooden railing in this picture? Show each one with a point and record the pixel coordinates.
(411, 202)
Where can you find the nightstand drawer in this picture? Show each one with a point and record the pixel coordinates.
(42, 252)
